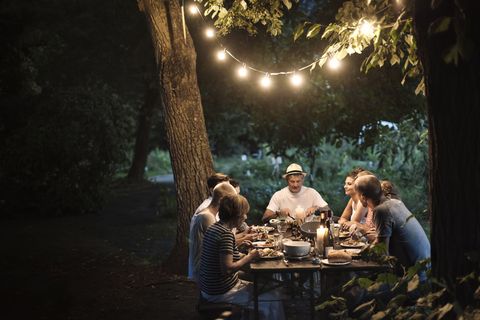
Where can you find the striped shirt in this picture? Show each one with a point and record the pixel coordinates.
(218, 241)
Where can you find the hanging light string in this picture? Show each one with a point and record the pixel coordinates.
(365, 27)
(210, 33)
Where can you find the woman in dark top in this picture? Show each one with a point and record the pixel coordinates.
(221, 261)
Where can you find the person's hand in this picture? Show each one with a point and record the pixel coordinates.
(371, 235)
(249, 236)
(346, 225)
(283, 213)
(310, 211)
(245, 245)
(254, 254)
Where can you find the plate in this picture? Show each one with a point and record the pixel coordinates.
(277, 255)
(327, 263)
(262, 244)
(352, 245)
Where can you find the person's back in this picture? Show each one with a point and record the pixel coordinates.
(408, 241)
(198, 227)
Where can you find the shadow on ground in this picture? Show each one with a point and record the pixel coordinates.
(104, 266)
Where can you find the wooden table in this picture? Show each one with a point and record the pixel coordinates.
(269, 267)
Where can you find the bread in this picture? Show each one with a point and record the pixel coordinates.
(337, 256)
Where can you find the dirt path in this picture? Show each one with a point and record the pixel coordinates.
(102, 266)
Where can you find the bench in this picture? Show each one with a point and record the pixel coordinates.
(223, 310)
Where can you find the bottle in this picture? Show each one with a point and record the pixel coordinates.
(329, 224)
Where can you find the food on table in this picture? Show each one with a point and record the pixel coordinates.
(351, 242)
(262, 229)
(268, 243)
(338, 256)
(344, 234)
(269, 253)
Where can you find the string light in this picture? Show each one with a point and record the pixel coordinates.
(296, 80)
(221, 55)
(242, 71)
(333, 63)
(266, 82)
(366, 28)
(193, 9)
(210, 33)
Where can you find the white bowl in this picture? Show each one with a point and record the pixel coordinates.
(296, 248)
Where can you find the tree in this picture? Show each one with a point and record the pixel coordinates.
(184, 122)
(141, 150)
(389, 32)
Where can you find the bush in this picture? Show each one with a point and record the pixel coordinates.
(61, 157)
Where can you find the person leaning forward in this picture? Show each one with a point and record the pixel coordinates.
(295, 200)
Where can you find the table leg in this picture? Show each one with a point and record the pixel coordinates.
(255, 295)
(312, 297)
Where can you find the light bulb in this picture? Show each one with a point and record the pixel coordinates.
(266, 82)
(333, 63)
(242, 71)
(210, 33)
(367, 29)
(193, 9)
(221, 55)
(296, 80)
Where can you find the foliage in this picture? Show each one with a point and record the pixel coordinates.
(63, 130)
(391, 296)
(61, 159)
(158, 163)
(244, 15)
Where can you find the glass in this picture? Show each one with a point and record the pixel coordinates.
(282, 227)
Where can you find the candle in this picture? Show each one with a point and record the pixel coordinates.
(320, 239)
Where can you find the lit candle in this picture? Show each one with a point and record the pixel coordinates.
(320, 239)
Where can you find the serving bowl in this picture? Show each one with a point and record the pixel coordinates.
(309, 229)
(296, 248)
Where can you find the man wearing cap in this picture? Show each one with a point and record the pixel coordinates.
(295, 200)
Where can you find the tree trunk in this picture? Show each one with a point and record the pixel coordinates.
(137, 170)
(453, 98)
(184, 122)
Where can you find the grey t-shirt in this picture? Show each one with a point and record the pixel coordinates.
(408, 241)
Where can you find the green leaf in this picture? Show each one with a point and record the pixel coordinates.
(341, 54)
(298, 31)
(394, 59)
(364, 282)
(287, 4)
(440, 24)
(420, 87)
(413, 284)
(379, 315)
(243, 4)
(365, 310)
(313, 31)
(388, 278)
(397, 301)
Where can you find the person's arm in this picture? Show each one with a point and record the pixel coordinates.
(385, 240)
(243, 236)
(269, 214)
(228, 266)
(347, 213)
